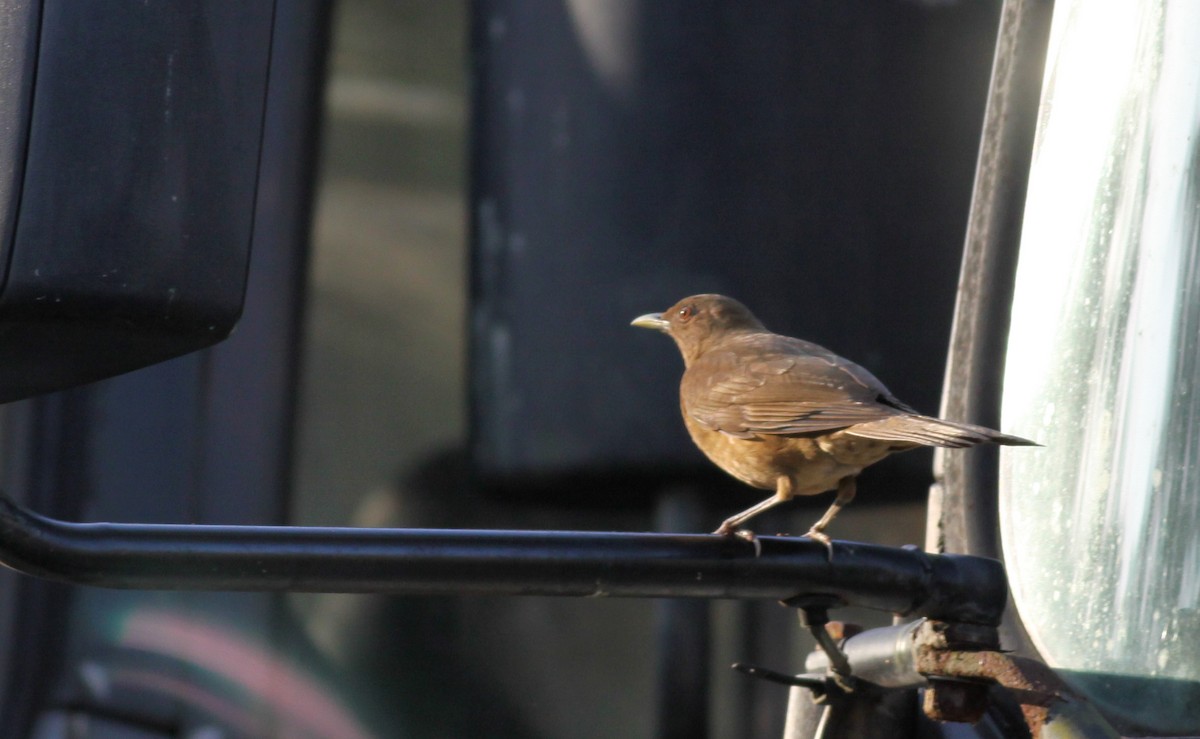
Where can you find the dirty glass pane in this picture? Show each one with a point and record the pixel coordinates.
(1101, 527)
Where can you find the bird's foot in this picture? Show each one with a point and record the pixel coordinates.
(818, 535)
(749, 536)
(727, 530)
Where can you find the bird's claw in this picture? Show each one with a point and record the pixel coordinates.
(746, 534)
(749, 536)
(821, 536)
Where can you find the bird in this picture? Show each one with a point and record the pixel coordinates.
(788, 415)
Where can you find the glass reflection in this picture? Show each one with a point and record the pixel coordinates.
(1101, 527)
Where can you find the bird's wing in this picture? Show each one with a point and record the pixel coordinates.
(778, 385)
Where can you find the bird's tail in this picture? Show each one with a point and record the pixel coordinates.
(930, 431)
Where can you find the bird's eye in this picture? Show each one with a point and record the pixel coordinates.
(686, 312)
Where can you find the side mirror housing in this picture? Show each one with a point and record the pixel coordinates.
(126, 207)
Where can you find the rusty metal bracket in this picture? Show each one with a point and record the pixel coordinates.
(959, 673)
(957, 664)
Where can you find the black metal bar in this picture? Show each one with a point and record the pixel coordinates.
(423, 561)
(966, 517)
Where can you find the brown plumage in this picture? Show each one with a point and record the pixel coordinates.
(788, 415)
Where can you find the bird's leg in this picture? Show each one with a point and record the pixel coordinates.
(731, 523)
(783, 493)
(845, 494)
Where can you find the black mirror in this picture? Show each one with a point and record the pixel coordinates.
(127, 194)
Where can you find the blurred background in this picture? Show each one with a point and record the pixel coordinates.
(393, 248)
(500, 186)
(815, 161)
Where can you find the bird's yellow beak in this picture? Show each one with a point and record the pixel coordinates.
(651, 320)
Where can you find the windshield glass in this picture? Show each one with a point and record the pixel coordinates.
(1101, 527)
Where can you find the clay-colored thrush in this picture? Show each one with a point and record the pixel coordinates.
(788, 415)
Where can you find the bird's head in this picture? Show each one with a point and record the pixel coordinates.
(701, 321)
